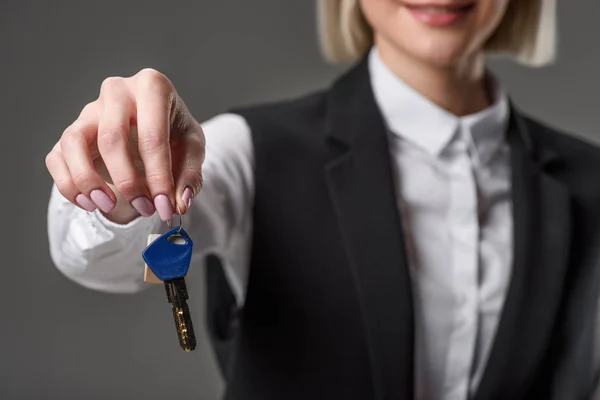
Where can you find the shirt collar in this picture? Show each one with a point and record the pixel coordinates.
(414, 118)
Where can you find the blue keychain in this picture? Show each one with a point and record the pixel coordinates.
(168, 257)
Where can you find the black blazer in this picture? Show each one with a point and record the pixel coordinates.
(329, 310)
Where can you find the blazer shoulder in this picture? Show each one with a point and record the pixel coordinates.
(569, 146)
(577, 160)
(300, 116)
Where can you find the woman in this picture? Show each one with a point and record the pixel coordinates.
(406, 233)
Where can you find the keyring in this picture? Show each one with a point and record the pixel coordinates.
(170, 224)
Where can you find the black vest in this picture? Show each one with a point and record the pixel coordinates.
(329, 310)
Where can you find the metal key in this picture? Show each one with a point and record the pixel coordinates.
(169, 256)
(177, 295)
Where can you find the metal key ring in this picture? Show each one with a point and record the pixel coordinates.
(170, 224)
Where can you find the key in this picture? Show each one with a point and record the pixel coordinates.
(168, 257)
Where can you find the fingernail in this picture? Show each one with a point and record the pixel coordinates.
(102, 200)
(164, 207)
(85, 203)
(187, 197)
(143, 205)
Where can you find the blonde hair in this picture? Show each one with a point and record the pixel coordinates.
(527, 32)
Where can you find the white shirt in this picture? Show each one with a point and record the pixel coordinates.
(453, 186)
(453, 179)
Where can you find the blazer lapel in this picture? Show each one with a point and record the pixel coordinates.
(542, 238)
(361, 184)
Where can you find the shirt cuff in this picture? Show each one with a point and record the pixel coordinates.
(108, 229)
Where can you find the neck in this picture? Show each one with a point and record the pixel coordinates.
(459, 89)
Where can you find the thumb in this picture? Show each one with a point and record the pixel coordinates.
(188, 174)
(185, 195)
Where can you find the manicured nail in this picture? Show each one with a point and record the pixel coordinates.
(187, 197)
(164, 207)
(102, 200)
(85, 203)
(143, 205)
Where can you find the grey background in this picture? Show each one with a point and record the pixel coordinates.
(61, 341)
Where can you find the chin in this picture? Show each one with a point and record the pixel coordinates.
(442, 36)
(440, 57)
(435, 52)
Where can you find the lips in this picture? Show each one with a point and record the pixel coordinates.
(440, 7)
(439, 14)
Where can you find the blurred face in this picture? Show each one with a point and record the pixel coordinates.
(437, 32)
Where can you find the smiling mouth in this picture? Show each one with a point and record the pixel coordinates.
(439, 14)
(440, 7)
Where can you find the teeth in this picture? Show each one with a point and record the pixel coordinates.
(436, 10)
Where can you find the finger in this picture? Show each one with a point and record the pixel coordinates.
(57, 167)
(188, 171)
(75, 149)
(154, 100)
(116, 112)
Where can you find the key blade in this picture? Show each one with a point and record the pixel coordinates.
(177, 295)
(185, 329)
